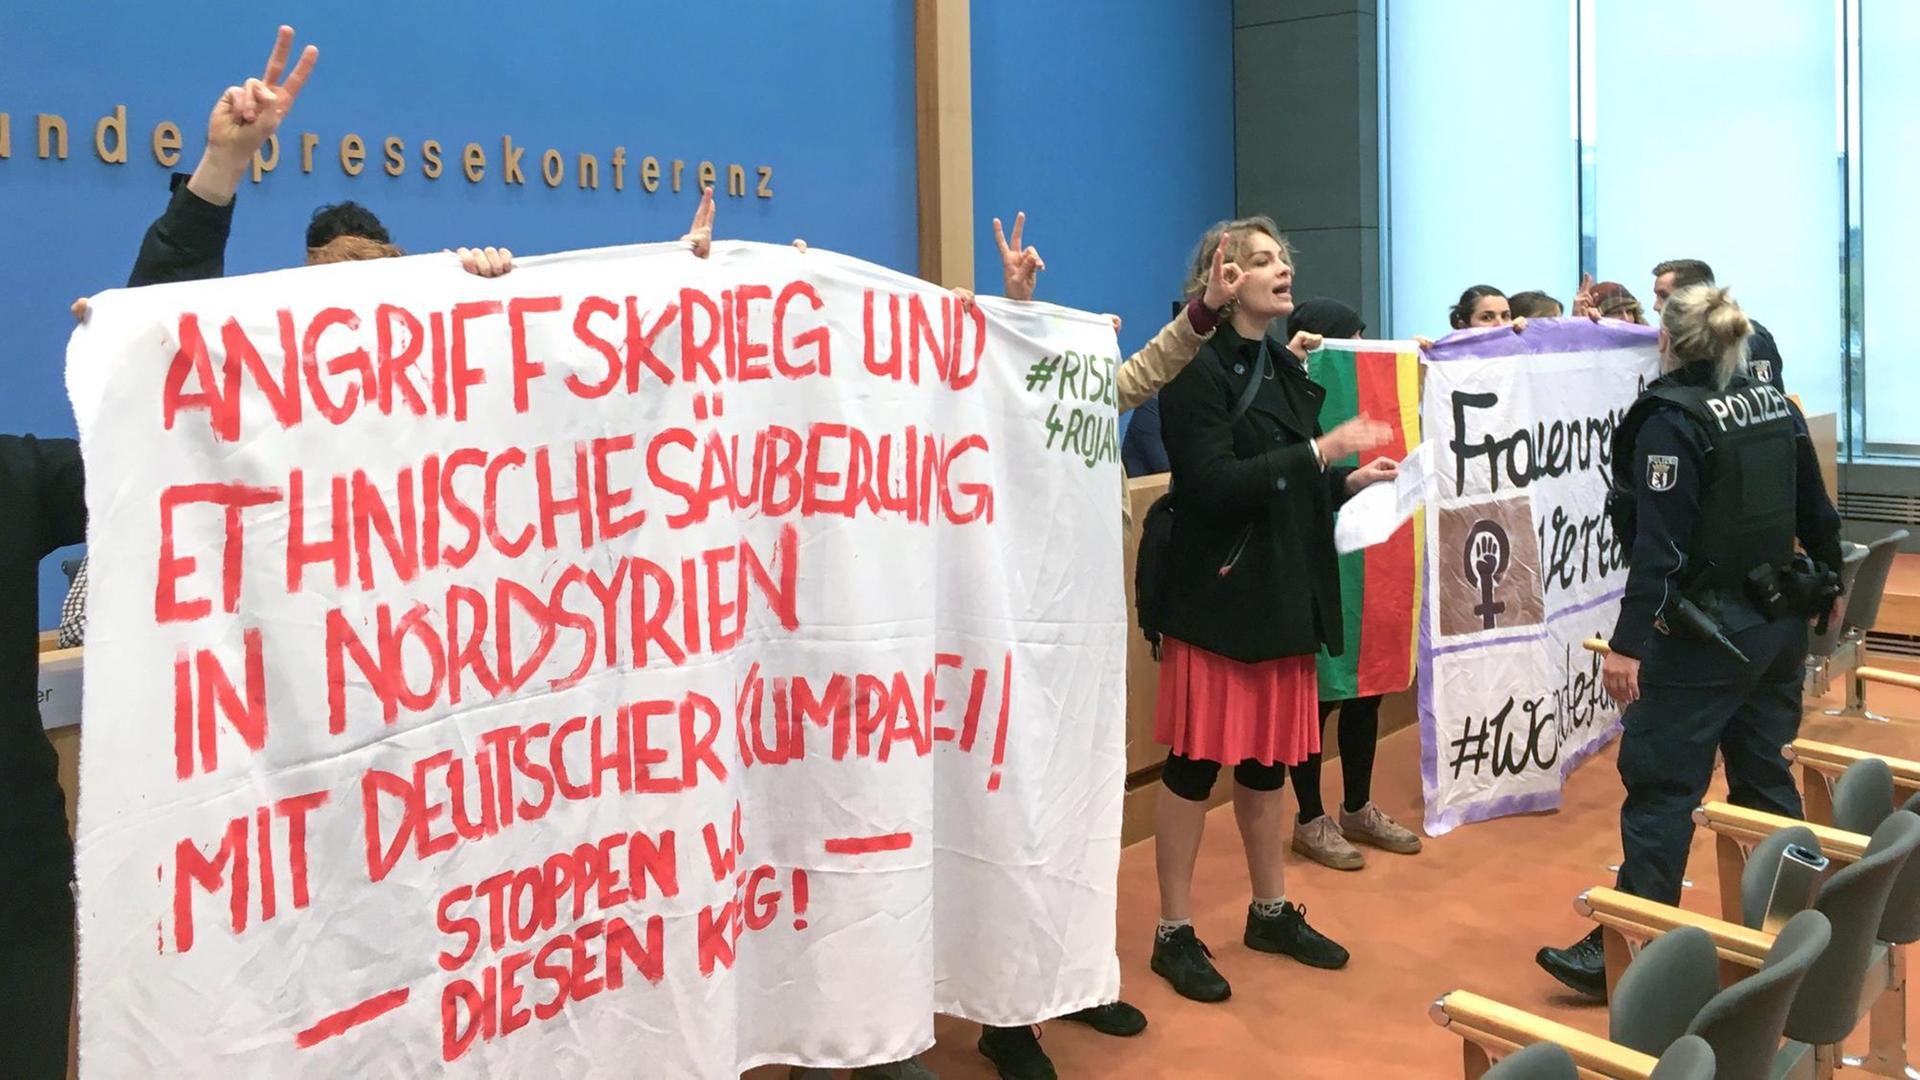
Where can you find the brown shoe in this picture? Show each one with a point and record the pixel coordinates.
(1371, 825)
(1320, 840)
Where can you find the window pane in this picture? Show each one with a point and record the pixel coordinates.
(1889, 158)
(1480, 153)
(1719, 138)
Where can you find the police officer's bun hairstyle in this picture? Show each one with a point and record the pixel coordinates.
(1705, 326)
(1460, 316)
(1236, 231)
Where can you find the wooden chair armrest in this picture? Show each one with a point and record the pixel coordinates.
(55, 656)
(1643, 920)
(1749, 827)
(1504, 1029)
(1890, 678)
(1832, 759)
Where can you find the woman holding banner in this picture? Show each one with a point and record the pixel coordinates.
(1251, 595)
(1015, 1051)
(1344, 684)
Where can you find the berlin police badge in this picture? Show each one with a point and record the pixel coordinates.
(1662, 470)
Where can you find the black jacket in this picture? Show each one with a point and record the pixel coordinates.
(43, 494)
(1142, 452)
(1251, 572)
(187, 242)
(1763, 358)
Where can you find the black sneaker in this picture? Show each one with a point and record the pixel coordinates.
(1114, 1018)
(1016, 1052)
(1581, 967)
(1182, 959)
(1289, 935)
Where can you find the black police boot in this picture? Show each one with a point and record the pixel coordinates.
(1114, 1018)
(1016, 1052)
(1289, 935)
(1182, 959)
(1581, 967)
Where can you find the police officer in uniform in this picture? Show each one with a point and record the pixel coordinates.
(1714, 479)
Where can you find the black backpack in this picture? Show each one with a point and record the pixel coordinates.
(1156, 531)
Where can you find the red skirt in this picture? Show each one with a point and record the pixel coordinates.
(1215, 709)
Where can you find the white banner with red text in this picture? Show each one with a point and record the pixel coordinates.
(634, 664)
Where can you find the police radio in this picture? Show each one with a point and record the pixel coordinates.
(1803, 589)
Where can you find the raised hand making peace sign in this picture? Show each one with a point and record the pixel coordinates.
(699, 237)
(246, 116)
(1019, 267)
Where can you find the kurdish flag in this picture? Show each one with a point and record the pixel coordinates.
(1380, 585)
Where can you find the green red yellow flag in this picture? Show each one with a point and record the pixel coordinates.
(1380, 585)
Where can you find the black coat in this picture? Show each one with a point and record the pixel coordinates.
(1251, 573)
(187, 242)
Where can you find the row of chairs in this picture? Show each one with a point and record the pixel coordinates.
(1841, 652)
(1830, 967)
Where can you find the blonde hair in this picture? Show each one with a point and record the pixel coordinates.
(1236, 232)
(1705, 326)
(350, 249)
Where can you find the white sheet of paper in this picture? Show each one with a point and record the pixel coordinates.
(1375, 514)
(1366, 519)
(1416, 475)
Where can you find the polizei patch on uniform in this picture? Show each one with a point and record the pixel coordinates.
(1661, 471)
(1762, 370)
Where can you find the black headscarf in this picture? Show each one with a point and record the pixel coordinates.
(1328, 318)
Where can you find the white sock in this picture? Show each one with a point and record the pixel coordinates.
(1269, 908)
(1168, 926)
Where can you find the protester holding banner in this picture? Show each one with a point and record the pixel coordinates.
(1717, 479)
(1480, 305)
(1016, 1051)
(1251, 594)
(1534, 304)
(1343, 685)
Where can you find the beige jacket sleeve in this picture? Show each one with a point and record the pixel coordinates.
(1142, 375)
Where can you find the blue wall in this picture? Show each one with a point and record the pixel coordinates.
(1111, 125)
(822, 92)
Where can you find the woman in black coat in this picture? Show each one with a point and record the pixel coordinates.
(1252, 593)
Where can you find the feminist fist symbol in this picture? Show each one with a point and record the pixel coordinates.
(1487, 555)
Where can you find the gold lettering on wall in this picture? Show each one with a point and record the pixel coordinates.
(510, 161)
(111, 146)
(51, 127)
(114, 124)
(353, 154)
(267, 158)
(166, 144)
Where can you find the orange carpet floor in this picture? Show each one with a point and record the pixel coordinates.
(1467, 913)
